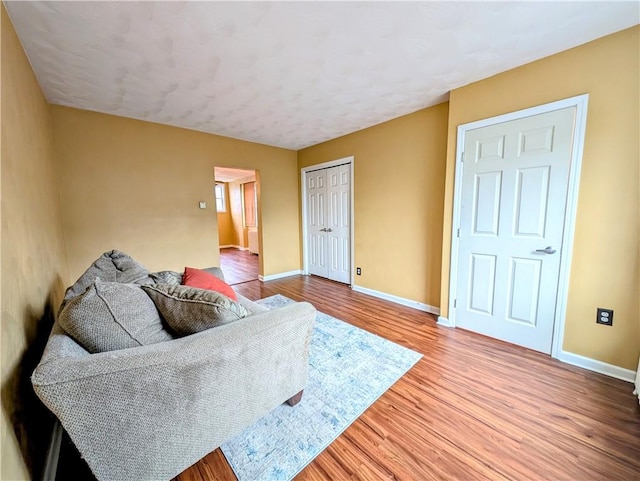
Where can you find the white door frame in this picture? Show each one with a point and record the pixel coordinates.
(305, 251)
(580, 102)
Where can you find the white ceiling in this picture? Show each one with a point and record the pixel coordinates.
(289, 74)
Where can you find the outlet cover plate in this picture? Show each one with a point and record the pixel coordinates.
(604, 316)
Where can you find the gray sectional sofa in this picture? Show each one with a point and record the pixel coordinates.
(149, 412)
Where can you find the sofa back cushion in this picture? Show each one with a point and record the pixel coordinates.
(166, 277)
(112, 266)
(188, 310)
(110, 315)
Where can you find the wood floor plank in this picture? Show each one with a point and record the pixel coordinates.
(238, 266)
(471, 408)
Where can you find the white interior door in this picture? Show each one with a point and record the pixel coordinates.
(339, 228)
(328, 222)
(514, 193)
(316, 192)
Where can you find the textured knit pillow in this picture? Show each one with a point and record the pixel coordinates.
(110, 316)
(188, 310)
(166, 277)
(112, 266)
(203, 280)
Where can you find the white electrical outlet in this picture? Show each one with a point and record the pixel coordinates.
(203, 204)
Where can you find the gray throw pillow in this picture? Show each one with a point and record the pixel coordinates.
(110, 316)
(188, 310)
(166, 277)
(112, 266)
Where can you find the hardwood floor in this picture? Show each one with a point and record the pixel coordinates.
(472, 408)
(238, 266)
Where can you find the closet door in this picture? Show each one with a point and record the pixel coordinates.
(316, 192)
(328, 196)
(339, 226)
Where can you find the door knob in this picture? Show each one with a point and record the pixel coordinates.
(329, 230)
(546, 250)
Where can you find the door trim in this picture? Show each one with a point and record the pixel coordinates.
(581, 103)
(325, 165)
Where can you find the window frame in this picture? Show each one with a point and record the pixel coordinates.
(223, 199)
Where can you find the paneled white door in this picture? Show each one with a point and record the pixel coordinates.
(339, 228)
(328, 194)
(316, 192)
(514, 193)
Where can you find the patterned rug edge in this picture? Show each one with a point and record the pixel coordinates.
(375, 397)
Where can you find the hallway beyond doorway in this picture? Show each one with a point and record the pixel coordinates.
(238, 266)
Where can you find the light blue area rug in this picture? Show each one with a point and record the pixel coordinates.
(349, 369)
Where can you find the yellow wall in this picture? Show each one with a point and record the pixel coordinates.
(135, 186)
(606, 265)
(399, 188)
(225, 227)
(33, 253)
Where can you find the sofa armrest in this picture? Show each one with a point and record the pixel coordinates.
(150, 412)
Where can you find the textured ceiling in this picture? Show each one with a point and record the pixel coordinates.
(289, 74)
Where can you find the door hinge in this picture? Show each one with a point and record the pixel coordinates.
(455, 303)
(462, 157)
(458, 234)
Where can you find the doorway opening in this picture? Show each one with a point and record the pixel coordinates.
(238, 207)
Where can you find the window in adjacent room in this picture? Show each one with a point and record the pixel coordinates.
(220, 203)
(250, 201)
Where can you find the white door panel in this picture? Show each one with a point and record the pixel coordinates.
(514, 190)
(524, 289)
(532, 194)
(316, 221)
(339, 222)
(486, 203)
(482, 283)
(328, 194)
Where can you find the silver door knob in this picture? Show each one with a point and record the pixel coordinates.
(546, 250)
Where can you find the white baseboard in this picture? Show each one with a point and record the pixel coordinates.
(53, 453)
(597, 366)
(273, 277)
(443, 321)
(234, 247)
(398, 300)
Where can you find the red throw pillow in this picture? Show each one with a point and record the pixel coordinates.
(203, 280)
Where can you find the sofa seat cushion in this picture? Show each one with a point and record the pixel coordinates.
(188, 310)
(204, 280)
(110, 315)
(112, 266)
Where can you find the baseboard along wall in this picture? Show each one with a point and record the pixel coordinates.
(53, 453)
(581, 361)
(597, 366)
(273, 277)
(398, 300)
